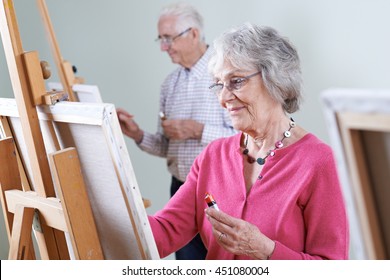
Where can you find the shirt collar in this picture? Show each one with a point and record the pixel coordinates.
(199, 67)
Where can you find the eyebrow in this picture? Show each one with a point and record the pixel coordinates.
(232, 73)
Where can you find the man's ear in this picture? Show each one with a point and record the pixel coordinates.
(195, 32)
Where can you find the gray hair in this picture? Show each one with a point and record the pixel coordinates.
(250, 46)
(187, 16)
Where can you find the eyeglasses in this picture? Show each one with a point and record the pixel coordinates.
(234, 84)
(169, 40)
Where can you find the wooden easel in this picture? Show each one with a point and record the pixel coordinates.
(50, 216)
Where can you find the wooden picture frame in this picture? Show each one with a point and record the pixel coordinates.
(93, 129)
(358, 122)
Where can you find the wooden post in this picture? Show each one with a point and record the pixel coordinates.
(65, 71)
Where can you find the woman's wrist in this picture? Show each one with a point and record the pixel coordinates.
(269, 255)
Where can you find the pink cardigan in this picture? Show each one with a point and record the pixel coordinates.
(298, 202)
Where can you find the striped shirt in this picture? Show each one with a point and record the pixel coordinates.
(185, 95)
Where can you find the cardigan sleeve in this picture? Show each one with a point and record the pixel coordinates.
(176, 224)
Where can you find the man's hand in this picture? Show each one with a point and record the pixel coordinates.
(129, 127)
(182, 129)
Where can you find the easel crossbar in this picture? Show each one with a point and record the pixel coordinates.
(50, 208)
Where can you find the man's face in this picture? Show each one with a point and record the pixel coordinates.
(181, 47)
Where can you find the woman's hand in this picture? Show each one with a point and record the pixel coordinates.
(238, 236)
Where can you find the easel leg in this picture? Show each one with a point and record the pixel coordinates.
(21, 233)
(10, 179)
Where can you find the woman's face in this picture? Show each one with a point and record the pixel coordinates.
(249, 103)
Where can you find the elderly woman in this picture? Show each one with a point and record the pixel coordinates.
(275, 184)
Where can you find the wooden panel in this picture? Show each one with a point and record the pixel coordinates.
(72, 192)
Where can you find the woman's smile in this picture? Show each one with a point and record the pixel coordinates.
(235, 110)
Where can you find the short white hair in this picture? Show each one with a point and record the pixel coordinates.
(187, 16)
(250, 47)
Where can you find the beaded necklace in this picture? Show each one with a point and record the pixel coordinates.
(271, 152)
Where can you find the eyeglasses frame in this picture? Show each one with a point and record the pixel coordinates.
(214, 87)
(169, 40)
